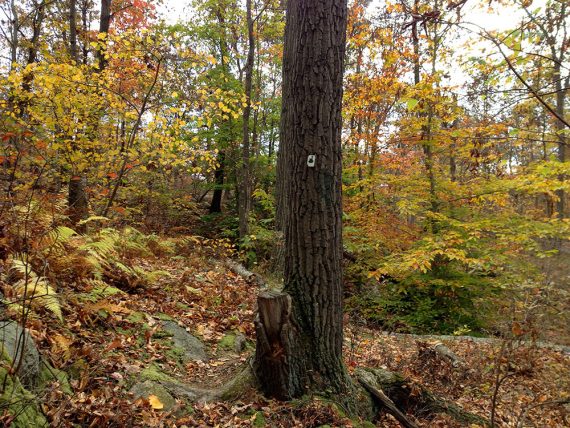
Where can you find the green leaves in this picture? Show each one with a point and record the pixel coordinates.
(411, 103)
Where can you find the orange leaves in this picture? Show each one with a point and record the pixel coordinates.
(7, 135)
(155, 402)
(106, 306)
(61, 346)
(116, 343)
(133, 14)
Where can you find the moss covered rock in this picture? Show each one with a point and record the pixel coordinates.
(193, 348)
(154, 374)
(227, 342)
(236, 342)
(17, 344)
(49, 374)
(20, 403)
(147, 388)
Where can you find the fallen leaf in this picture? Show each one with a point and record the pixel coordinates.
(155, 402)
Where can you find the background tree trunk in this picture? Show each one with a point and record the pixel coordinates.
(73, 30)
(560, 131)
(77, 197)
(216, 205)
(244, 196)
(78, 203)
(104, 25)
(303, 345)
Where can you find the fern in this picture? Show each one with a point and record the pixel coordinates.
(40, 293)
(57, 238)
(93, 218)
(104, 243)
(101, 250)
(33, 288)
(21, 265)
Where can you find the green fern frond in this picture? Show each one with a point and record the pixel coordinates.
(101, 289)
(40, 293)
(57, 238)
(124, 268)
(20, 265)
(62, 234)
(97, 265)
(13, 307)
(93, 218)
(102, 245)
(51, 303)
(100, 248)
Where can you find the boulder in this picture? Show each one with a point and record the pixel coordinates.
(192, 347)
(147, 388)
(233, 342)
(240, 343)
(400, 396)
(17, 344)
(18, 402)
(155, 375)
(49, 374)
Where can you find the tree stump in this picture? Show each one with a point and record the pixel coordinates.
(274, 343)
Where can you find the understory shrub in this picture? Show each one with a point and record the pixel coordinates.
(422, 303)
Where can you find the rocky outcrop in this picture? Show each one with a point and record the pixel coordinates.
(149, 388)
(192, 349)
(17, 347)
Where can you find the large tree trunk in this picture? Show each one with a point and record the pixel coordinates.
(244, 194)
(73, 30)
(281, 180)
(560, 132)
(104, 25)
(77, 197)
(300, 343)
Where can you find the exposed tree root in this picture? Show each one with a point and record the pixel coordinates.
(412, 398)
(236, 386)
(391, 391)
(388, 404)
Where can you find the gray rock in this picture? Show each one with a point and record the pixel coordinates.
(182, 390)
(16, 343)
(155, 375)
(239, 343)
(148, 388)
(193, 348)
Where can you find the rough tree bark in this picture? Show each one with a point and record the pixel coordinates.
(560, 129)
(300, 330)
(220, 172)
(216, 204)
(244, 194)
(77, 199)
(104, 25)
(73, 30)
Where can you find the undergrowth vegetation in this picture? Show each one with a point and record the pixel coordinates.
(41, 254)
(141, 163)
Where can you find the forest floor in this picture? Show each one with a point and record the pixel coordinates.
(111, 338)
